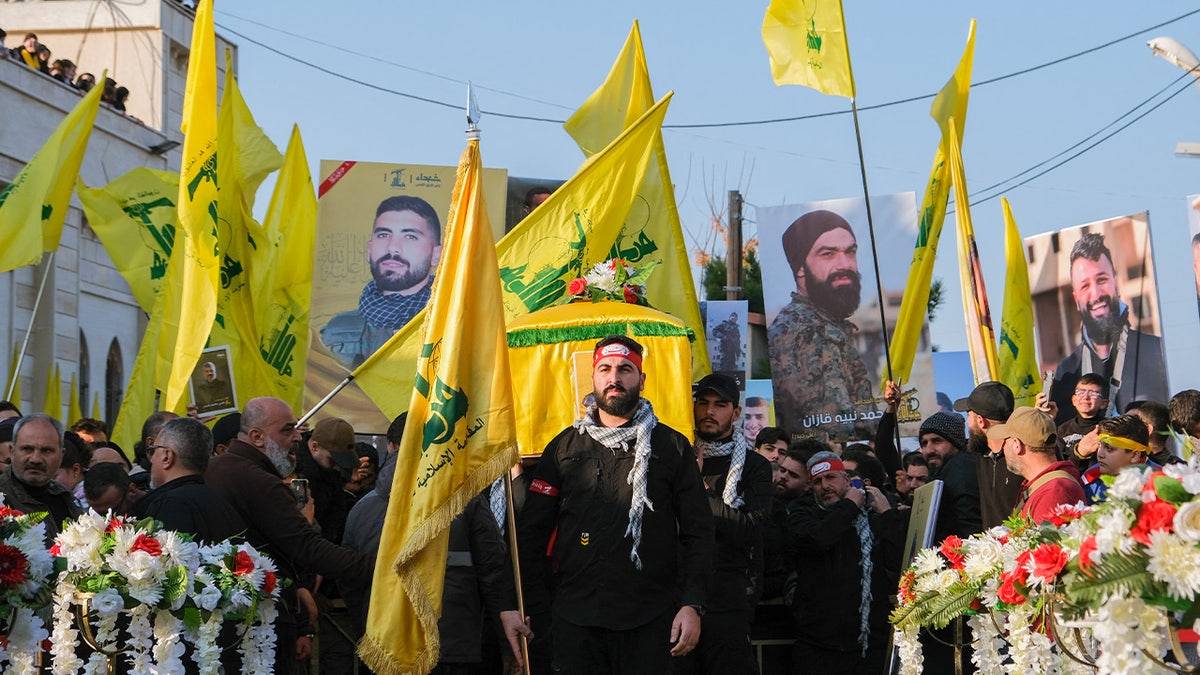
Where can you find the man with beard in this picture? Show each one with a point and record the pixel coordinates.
(1130, 360)
(815, 363)
(617, 512)
(990, 404)
(28, 483)
(249, 475)
(738, 482)
(405, 247)
(1030, 449)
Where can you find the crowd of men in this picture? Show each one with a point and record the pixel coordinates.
(640, 550)
(36, 55)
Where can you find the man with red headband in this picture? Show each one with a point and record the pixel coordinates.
(846, 546)
(617, 508)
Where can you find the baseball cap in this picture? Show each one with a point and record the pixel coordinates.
(226, 429)
(991, 400)
(6, 429)
(722, 384)
(337, 436)
(1028, 425)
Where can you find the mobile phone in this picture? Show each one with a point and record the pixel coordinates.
(1047, 380)
(856, 483)
(300, 491)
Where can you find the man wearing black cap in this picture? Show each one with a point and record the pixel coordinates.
(988, 405)
(944, 445)
(6, 440)
(815, 363)
(738, 481)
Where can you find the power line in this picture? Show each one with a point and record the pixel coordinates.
(708, 125)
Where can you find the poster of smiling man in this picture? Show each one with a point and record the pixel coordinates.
(824, 334)
(1095, 304)
(378, 243)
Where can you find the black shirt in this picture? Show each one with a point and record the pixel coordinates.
(187, 505)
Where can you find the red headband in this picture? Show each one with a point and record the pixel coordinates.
(825, 466)
(616, 349)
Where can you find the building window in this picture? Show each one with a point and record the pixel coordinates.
(85, 376)
(114, 383)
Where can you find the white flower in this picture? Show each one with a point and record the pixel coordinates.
(107, 601)
(1187, 521)
(208, 597)
(928, 561)
(1176, 563)
(983, 557)
(1128, 484)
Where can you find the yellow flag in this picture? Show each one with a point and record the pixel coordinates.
(981, 339)
(1018, 348)
(135, 218)
(190, 305)
(14, 379)
(37, 199)
(652, 231)
(52, 404)
(806, 40)
(282, 275)
(139, 399)
(245, 157)
(571, 231)
(96, 407)
(74, 410)
(951, 101)
(459, 438)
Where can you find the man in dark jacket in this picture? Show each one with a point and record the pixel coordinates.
(944, 444)
(250, 477)
(988, 405)
(738, 481)
(28, 483)
(180, 500)
(618, 505)
(846, 544)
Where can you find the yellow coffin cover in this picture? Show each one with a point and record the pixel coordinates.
(551, 356)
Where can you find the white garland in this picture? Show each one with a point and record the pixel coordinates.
(168, 643)
(908, 644)
(105, 631)
(206, 652)
(141, 639)
(24, 642)
(988, 641)
(64, 636)
(258, 645)
(1030, 650)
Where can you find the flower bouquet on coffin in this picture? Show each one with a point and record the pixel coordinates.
(25, 570)
(612, 280)
(121, 586)
(234, 583)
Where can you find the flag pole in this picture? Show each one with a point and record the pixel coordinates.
(511, 522)
(321, 404)
(862, 166)
(29, 331)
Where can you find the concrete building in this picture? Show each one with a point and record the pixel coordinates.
(87, 321)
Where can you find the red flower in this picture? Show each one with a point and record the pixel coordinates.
(13, 566)
(906, 584)
(577, 286)
(1151, 517)
(268, 582)
(1048, 561)
(630, 296)
(242, 563)
(1008, 592)
(6, 512)
(952, 549)
(114, 524)
(56, 550)
(1086, 549)
(148, 544)
(1065, 513)
(1022, 570)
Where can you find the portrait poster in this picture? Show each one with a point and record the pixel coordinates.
(826, 338)
(954, 379)
(727, 328)
(371, 274)
(1194, 241)
(211, 384)
(1096, 310)
(758, 411)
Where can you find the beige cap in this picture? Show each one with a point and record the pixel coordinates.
(1029, 425)
(337, 436)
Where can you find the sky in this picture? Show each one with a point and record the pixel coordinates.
(544, 59)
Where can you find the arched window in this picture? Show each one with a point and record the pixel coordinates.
(85, 376)
(114, 383)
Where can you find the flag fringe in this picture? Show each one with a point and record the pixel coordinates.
(532, 337)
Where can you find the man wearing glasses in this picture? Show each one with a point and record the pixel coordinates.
(1077, 435)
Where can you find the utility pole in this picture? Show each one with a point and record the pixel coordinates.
(733, 253)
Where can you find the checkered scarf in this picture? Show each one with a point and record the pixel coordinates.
(735, 449)
(618, 438)
(866, 542)
(497, 502)
(391, 310)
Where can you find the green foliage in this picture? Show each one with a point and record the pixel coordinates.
(714, 277)
(176, 583)
(950, 605)
(192, 618)
(1171, 490)
(936, 295)
(1113, 575)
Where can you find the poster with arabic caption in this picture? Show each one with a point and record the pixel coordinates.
(824, 332)
(378, 243)
(1096, 310)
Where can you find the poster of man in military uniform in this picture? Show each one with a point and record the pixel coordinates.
(727, 327)
(824, 332)
(378, 242)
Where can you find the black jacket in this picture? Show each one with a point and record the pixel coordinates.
(53, 498)
(186, 504)
(478, 578)
(579, 494)
(959, 512)
(826, 552)
(736, 582)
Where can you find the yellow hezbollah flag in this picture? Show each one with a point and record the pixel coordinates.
(950, 101)
(245, 156)
(42, 191)
(652, 231)
(135, 218)
(806, 40)
(282, 275)
(96, 406)
(74, 410)
(1018, 350)
(571, 231)
(140, 397)
(981, 340)
(190, 304)
(459, 438)
(52, 405)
